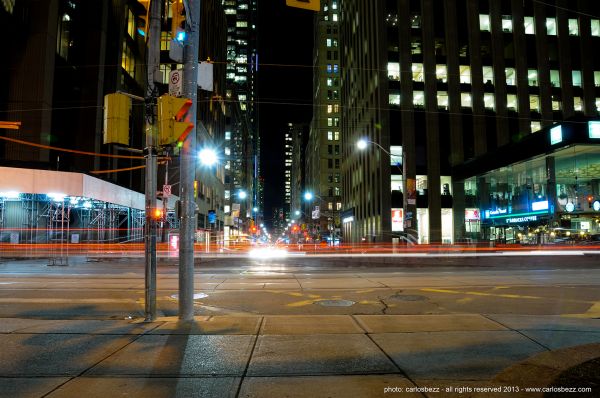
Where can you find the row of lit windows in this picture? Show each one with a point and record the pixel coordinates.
(488, 101)
(333, 121)
(441, 74)
(529, 25)
(331, 42)
(335, 108)
(333, 136)
(332, 68)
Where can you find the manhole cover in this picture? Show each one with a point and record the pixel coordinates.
(335, 303)
(407, 297)
(196, 296)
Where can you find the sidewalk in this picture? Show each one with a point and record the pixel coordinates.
(292, 356)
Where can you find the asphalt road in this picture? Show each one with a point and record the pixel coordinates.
(113, 288)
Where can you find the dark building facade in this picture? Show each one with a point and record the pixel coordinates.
(436, 84)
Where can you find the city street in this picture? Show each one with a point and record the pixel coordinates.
(423, 325)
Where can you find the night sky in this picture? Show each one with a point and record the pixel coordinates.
(285, 45)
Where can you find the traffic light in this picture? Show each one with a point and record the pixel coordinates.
(590, 200)
(253, 229)
(116, 119)
(178, 20)
(171, 111)
(144, 20)
(157, 214)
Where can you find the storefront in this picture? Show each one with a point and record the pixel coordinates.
(543, 198)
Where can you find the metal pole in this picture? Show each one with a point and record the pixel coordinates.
(188, 163)
(150, 155)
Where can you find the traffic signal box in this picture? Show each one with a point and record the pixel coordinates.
(171, 111)
(116, 119)
(177, 20)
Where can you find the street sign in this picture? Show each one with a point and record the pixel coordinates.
(175, 82)
(166, 191)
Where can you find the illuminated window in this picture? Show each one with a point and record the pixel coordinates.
(165, 41)
(328, 42)
(536, 126)
(127, 60)
(418, 98)
(417, 72)
(330, 136)
(551, 26)
(556, 105)
(529, 25)
(534, 103)
(484, 22)
(488, 101)
(241, 24)
(576, 78)
(465, 100)
(555, 78)
(393, 70)
(577, 104)
(506, 23)
(394, 98)
(329, 108)
(596, 78)
(63, 39)
(336, 135)
(595, 27)
(442, 99)
(465, 74)
(511, 102)
(488, 74)
(598, 104)
(511, 76)
(441, 73)
(573, 27)
(338, 206)
(130, 24)
(532, 77)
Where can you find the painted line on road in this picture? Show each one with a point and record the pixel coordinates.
(471, 293)
(47, 300)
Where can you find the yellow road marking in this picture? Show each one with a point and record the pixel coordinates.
(592, 312)
(513, 296)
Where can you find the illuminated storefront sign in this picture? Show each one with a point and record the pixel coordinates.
(497, 212)
(514, 220)
(397, 219)
(556, 135)
(542, 205)
(594, 130)
(472, 215)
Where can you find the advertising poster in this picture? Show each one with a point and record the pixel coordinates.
(411, 190)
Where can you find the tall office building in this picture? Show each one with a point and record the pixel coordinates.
(242, 132)
(442, 91)
(324, 150)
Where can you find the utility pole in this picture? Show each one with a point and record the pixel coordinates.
(188, 163)
(150, 155)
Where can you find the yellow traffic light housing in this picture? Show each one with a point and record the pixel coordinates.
(177, 20)
(116, 119)
(313, 5)
(171, 111)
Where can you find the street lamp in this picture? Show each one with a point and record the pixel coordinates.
(242, 195)
(208, 156)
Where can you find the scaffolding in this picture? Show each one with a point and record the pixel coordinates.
(58, 214)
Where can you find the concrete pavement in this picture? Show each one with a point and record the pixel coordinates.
(293, 355)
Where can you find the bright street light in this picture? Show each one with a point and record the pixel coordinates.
(308, 196)
(362, 144)
(207, 156)
(242, 194)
